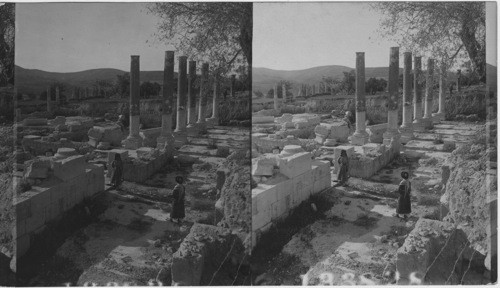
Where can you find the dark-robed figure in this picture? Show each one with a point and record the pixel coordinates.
(404, 190)
(343, 173)
(178, 196)
(116, 178)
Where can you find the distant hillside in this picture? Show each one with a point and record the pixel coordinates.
(263, 79)
(33, 81)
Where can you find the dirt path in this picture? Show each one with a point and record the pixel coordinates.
(356, 239)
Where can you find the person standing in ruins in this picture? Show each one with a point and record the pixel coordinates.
(178, 196)
(343, 174)
(404, 190)
(348, 120)
(116, 178)
(121, 123)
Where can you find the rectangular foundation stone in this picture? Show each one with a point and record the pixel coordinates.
(69, 168)
(295, 165)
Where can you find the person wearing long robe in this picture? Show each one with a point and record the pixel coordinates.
(343, 174)
(121, 122)
(116, 178)
(348, 120)
(178, 196)
(404, 201)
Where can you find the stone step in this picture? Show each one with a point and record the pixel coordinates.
(197, 150)
(230, 144)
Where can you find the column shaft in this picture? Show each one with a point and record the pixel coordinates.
(407, 127)
(166, 137)
(192, 94)
(283, 93)
(215, 99)
(181, 95)
(203, 96)
(360, 136)
(393, 99)
(49, 104)
(275, 96)
(417, 99)
(429, 83)
(134, 141)
(439, 116)
(58, 99)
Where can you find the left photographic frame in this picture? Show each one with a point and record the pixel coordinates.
(132, 144)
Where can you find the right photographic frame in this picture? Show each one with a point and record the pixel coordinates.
(374, 143)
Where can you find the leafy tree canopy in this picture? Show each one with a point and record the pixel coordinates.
(7, 31)
(220, 33)
(447, 31)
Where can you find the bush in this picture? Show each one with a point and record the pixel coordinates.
(22, 186)
(467, 103)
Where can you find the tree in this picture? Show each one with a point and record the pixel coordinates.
(149, 89)
(122, 84)
(440, 29)
(7, 31)
(333, 83)
(348, 82)
(374, 85)
(220, 33)
(258, 94)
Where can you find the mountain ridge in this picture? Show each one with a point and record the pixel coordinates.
(35, 81)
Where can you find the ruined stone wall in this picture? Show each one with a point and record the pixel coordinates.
(274, 200)
(374, 158)
(470, 191)
(265, 143)
(50, 199)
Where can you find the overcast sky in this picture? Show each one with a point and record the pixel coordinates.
(70, 37)
(293, 36)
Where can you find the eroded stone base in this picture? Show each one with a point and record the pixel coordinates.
(132, 143)
(359, 139)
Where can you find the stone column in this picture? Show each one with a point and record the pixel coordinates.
(417, 97)
(459, 75)
(166, 139)
(73, 94)
(180, 129)
(276, 105)
(439, 116)
(313, 89)
(18, 115)
(407, 127)
(427, 119)
(134, 141)
(283, 93)
(58, 98)
(203, 98)
(49, 104)
(392, 133)
(233, 80)
(360, 137)
(191, 95)
(214, 120)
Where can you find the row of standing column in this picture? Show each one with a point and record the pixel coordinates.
(186, 106)
(405, 132)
